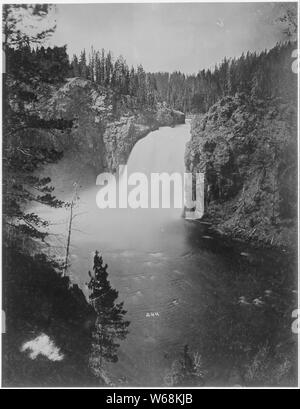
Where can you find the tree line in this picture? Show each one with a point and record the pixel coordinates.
(262, 75)
(101, 68)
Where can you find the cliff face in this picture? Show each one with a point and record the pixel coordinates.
(248, 152)
(107, 126)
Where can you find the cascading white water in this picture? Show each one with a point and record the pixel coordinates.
(179, 285)
(142, 248)
(161, 151)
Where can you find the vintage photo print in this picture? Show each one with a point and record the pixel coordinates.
(150, 196)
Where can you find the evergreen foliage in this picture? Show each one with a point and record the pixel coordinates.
(110, 324)
(26, 68)
(262, 75)
(186, 371)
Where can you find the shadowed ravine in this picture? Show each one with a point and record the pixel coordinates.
(180, 285)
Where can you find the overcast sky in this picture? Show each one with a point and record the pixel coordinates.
(169, 37)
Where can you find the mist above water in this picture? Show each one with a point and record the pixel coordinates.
(161, 151)
(179, 285)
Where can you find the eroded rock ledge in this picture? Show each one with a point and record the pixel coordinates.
(107, 126)
(248, 152)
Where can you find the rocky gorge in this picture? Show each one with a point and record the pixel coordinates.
(106, 125)
(245, 147)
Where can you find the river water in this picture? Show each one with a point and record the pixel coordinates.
(180, 285)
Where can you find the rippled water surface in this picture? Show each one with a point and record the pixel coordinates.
(180, 285)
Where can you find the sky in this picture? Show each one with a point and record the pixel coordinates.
(169, 37)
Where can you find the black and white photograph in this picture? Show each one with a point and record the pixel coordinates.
(150, 197)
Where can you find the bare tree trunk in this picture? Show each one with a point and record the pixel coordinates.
(70, 231)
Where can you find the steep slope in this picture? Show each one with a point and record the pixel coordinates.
(248, 151)
(38, 302)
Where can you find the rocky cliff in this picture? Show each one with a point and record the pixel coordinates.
(248, 152)
(107, 126)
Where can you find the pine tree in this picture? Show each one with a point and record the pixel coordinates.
(22, 123)
(83, 65)
(75, 66)
(108, 69)
(92, 66)
(132, 85)
(142, 87)
(97, 68)
(110, 324)
(14, 31)
(102, 74)
(186, 371)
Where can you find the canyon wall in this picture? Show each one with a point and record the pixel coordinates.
(248, 151)
(106, 126)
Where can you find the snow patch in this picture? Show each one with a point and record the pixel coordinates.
(42, 345)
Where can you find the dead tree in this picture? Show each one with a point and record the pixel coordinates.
(72, 204)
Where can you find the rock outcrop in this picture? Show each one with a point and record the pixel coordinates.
(248, 152)
(107, 126)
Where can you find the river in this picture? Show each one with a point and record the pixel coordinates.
(180, 285)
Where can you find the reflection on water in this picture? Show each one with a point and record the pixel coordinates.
(181, 286)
